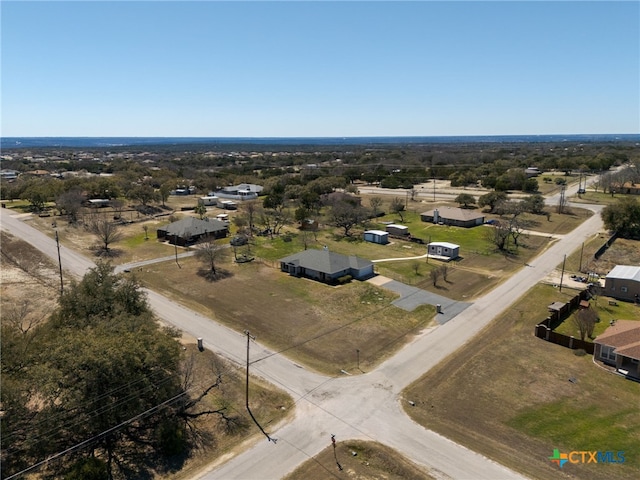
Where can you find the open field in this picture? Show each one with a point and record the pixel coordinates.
(373, 461)
(314, 324)
(25, 274)
(508, 395)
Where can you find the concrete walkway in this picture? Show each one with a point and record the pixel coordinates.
(412, 297)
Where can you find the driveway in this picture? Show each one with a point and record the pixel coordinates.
(412, 297)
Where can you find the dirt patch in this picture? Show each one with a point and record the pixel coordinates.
(372, 461)
(26, 274)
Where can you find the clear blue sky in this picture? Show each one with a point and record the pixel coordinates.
(262, 69)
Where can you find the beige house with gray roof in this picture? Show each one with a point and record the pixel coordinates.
(457, 217)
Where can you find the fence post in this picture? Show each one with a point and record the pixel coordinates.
(571, 342)
(548, 334)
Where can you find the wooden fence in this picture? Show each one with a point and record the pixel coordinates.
(545, 329)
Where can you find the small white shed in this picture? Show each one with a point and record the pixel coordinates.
(376, 236)
(444, 250)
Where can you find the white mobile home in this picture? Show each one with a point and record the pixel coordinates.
(208, 201)
(444, 250)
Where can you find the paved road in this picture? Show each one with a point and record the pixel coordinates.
(366, 406)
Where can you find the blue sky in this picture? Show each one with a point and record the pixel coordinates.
(263, 69)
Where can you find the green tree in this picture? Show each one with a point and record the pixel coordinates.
(201, 211)
(623, 217)
(492, 199)
(465, 199)
(534, 204)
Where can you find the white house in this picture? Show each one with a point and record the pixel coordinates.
(376, 236)
(444, 250)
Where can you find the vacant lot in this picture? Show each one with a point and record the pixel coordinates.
(514, 398)
(315, 324)
(373, 461)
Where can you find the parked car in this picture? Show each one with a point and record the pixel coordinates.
(239, 240)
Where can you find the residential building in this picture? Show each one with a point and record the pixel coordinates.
(619, 346)
(189, 230)
(443, 250)
(623, 283)
(326, 266)
(457, 217)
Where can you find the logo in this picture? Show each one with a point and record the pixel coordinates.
(558, 458)
(583, 456)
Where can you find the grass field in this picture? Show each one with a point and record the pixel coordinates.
(514, 398)
(317, 325)
(373, 461)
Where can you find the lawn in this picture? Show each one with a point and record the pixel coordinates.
(514, 398)
(372, 461)
(314, 324)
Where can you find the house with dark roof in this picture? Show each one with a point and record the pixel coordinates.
(623, 283)
(326, 266)
(619, 346)
(189, 230)
(457, 217)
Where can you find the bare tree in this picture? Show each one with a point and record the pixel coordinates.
(106, 231)
(210, 253)
(346, 215)
(498, 234)
(70, 203)
(375, 203)
(585, 320)
(434, 274)
(397, 206)
(118, 206)
(250, 209)
(21, 317)
(305, 238)
(444, 270)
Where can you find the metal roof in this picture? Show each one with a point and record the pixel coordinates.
(626, 272)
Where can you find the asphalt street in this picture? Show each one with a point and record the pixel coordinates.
(364, 406)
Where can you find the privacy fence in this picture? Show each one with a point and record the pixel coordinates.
(545, 329)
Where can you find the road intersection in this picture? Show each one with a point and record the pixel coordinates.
(367, 406)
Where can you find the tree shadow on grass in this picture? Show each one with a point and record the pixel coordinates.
(100, 252)
(211, 276)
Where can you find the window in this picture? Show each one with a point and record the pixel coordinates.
(606, 353)
(624, 289)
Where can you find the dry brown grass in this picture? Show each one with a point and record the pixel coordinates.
(313, 323)
(507, 395)
(373, 461)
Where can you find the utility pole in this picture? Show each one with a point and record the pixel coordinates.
(249, 338)
(581, 252)
(562, 274)
(175, 245)
(59, 264)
